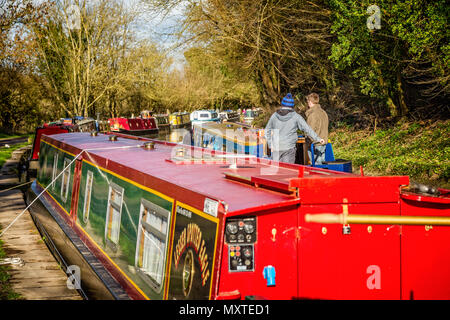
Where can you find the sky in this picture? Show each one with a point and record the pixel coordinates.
(158, 27)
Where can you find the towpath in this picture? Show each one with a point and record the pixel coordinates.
(39, 277)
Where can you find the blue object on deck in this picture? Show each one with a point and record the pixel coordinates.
(269, 274)
(330, 162)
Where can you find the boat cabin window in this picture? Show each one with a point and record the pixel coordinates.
(113, 215)
(152, 243)
(65, 180)
(55, 170)
(204, 115)
(87, 196)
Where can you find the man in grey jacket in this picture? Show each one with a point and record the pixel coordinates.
(281, 131)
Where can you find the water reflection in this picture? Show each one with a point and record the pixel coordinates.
(175, 135)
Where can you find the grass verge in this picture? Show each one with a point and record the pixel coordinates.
(420, 150)
(5, 153)
(6, 292)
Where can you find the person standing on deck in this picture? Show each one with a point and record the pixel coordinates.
(317, 119)
(281, 131)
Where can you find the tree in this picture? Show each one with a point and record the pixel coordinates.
(282, 44)
(82, 49)
(410, 46)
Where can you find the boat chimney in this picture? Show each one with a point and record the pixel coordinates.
(149, 145)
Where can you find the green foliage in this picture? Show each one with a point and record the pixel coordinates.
(413, 34)
(5, 153)
(417, 149)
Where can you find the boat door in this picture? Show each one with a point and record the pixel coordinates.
(76, 190)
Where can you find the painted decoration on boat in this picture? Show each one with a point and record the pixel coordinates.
(192, 254)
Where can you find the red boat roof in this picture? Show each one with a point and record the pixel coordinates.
(253, 183)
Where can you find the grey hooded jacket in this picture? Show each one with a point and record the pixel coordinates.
(281, 130)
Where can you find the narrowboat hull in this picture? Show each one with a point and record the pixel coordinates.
(179, 222)
(68, 249)
(164, 127)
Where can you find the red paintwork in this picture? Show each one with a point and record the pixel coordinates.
(424, 251)
(47, 130)
(133, 124)
(310, 261)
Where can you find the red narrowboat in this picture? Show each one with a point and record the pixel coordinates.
(145, 125)
(144, 219)
(63, 126)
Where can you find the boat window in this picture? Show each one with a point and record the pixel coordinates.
(204, 115)
(55, 170)
(43, 168)
(87, 196)
(65, 180)
(152, 243)
(113, 215)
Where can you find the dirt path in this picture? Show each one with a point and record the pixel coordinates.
(39, 277)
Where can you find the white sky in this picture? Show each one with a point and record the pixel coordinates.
(157, 27)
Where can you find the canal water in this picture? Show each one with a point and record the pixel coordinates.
(174, 135)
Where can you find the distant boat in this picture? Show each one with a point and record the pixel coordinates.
(179, 120)
(163, 122)
(229, 116)
(145, 125)
(250, 115)
(203, 116)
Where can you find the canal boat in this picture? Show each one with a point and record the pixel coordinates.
(250, 115)
(163, 122)
(64, 125)
(137, 126)
(199, 117)
(179, 120)
(144, 219)
(229, 116)
(230, 137)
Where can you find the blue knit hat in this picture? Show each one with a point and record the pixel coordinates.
(288, 101)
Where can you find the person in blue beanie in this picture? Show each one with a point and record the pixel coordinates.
(281, 131)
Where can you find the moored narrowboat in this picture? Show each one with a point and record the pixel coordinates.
(144, 219)
(138, 126)
(229, 116)
(179, 120)
(230, 137)
(163, 122)
(199, 117)
(64, 125)
(250, 115)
